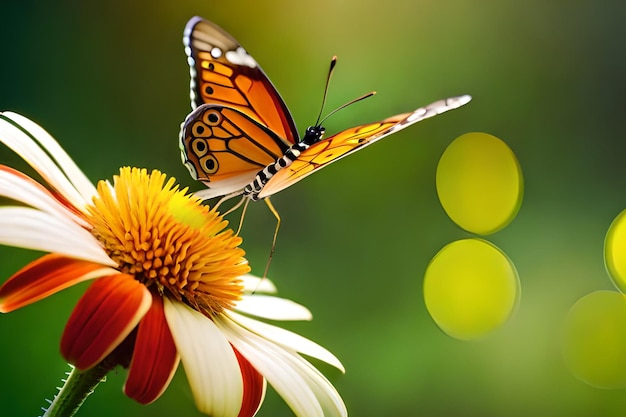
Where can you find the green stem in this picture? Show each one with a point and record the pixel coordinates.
(76, 388)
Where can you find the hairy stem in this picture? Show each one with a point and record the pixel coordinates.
(76, 388)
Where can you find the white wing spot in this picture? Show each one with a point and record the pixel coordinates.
(418, 114)
(241, 57)
(216, 52)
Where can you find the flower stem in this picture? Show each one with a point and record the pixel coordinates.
(76, 388)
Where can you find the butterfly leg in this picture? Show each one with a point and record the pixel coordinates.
(275, 213)
(243, 212)
(217, 205)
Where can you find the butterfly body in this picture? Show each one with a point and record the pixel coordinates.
(241, 139)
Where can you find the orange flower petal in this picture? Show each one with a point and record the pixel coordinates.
(104, 316)
(253, 387)
(46, 276)
(155, 357)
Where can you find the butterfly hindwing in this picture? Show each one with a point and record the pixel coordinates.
(335, 147)
(222, 72)
(225, 148)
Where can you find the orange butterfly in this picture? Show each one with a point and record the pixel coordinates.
(240, 138)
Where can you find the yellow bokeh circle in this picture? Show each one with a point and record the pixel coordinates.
(479, 183)
(594, 339)
(470, 288)
(615, 251)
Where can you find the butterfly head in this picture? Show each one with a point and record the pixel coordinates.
(313, 134)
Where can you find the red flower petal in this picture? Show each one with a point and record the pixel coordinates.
(155, 357)
(253, 387)
(46, 276)
(108, 311)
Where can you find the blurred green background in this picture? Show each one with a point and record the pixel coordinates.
(110, 81)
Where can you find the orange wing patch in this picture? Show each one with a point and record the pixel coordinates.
(324, 152)
(221, 143)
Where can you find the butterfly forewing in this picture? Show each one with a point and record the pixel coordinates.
(223, 73)
(335, 147)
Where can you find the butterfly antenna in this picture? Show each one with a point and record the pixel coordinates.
(333, 62)
(320, 120)
(343, 106)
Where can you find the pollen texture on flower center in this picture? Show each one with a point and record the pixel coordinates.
(168, 240)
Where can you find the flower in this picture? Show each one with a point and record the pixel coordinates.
(169, 283)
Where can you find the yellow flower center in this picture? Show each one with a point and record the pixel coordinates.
(168, 240)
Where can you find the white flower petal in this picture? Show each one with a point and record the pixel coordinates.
(272, 308)
(329, 398)
(288, 339)
(23, 145)
(272, 365)
(29, 192)
(305, 389)
(33, 229)
(256, 284)
(76, 176)
(209, 360)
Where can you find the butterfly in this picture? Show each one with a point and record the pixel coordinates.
(240, 138)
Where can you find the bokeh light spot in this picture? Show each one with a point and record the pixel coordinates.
(615, 251)
(594, 339)
(479, 183)
(470, 288)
